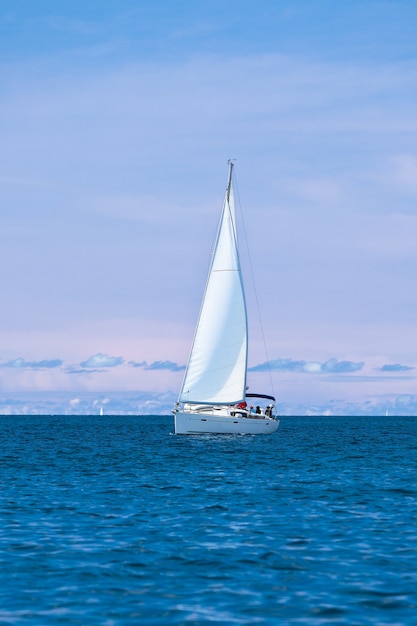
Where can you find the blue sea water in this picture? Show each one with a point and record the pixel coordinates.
(114, 520)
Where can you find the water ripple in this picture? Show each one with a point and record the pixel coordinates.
(109, 521)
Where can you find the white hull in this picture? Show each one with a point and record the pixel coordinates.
(195, 424)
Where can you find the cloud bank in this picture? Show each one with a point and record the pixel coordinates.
(332, 366)
(100, 361)
(158, 365)
(148, 403)
(21, 363)
(396, 367)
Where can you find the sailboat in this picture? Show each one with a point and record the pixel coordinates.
(213, 397)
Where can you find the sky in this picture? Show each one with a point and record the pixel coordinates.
(117, 119)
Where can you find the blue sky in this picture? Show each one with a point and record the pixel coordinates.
(117, 120)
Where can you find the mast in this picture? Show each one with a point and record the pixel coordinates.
(229, 182)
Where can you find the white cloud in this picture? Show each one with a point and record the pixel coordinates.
(102, 360)
(312, 367)
(86, 403)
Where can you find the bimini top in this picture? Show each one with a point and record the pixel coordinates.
(260, 395)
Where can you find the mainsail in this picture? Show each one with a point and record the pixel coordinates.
(216, 370)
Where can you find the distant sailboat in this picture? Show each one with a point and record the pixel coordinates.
(213, 396)
(101, 411)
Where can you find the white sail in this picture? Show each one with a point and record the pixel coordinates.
(216, 371)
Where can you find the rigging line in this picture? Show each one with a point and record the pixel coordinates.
(253, 283)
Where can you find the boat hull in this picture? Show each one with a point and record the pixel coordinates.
(197, 424)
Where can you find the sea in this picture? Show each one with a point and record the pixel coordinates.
(117, 521)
